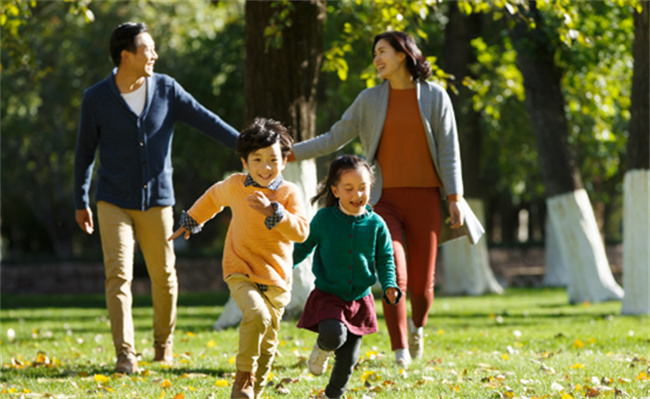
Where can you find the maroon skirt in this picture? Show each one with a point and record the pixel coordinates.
(359, 316)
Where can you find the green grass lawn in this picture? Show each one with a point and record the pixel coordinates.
(523, 344)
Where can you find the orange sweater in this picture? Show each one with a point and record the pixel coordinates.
(403, 152)
(250, 248)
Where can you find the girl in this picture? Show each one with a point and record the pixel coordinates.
(352, 243)
(408, 130)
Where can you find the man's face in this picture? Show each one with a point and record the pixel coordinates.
(143, 60)
(265, 164)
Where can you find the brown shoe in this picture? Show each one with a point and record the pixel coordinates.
(126, 363)
(164, 353)
(243, 386)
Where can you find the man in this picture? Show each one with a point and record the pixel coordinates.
(130, 117)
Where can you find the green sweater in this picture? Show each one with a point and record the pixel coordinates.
(350, 251)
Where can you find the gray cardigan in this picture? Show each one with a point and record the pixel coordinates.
(365, 118)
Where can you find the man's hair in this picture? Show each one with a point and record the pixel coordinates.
(123, 38)
(262, 133)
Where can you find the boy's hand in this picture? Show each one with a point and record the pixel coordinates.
(391, 295)
(178, 233)
(260, 203)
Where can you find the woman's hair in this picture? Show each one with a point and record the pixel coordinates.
(417, 65)
(123, 38)
(262, 133)
(337, 167)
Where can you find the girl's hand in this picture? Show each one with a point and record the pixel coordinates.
(178, 233)
(260, 203)
(391, 295)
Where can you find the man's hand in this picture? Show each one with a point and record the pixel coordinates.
(261, 203)
(178, 233)
(84, 218)
(391, 295)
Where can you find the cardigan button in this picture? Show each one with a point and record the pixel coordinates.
(350, 267)
(349, 281)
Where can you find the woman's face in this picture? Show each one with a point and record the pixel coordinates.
(387, 60)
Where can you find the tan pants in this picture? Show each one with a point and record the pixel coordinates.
(258, 330)
(119, 229)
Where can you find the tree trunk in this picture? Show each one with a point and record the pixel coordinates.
(555, 274)
(456, 254)
(636, 218)
(281, 74)
(459, 257)
(571, 213)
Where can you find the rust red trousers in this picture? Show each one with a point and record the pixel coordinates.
(414, 218)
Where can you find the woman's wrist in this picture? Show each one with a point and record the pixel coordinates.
(454, 197)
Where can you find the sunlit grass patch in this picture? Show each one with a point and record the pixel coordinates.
(524, 344)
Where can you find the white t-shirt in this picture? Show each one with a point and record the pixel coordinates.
(136, 99)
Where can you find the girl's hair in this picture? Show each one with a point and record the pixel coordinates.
(417, 65)
(337, 167)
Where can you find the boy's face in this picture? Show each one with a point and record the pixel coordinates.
(265, 164)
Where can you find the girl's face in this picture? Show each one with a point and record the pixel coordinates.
(387, 60)
(353, 190)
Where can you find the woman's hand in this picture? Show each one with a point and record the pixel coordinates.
(178, 233)
(391, 295)
(455, 214)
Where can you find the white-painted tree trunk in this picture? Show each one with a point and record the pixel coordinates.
(303, 174)
(636, 242)
(582, 249)
(555, 273)
(467, 267)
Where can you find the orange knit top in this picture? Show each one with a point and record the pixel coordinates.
(403, 152)
(266, 256)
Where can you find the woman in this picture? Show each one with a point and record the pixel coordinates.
(408, 130)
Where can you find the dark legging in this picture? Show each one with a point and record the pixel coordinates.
(334, 336)
(414, 221)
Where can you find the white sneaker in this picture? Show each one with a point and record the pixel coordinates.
(318, 360)
(402, 357)
(416, 340)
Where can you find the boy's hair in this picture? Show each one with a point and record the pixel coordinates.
(262, 133)
(337, 167)
(123, 38)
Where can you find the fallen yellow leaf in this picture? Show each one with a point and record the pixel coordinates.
(179, 396)
(211, 344)
(642, 377)
(190, 334)
(221, 383)
(578, 344)
(166, 384)
(102, 379)
(232, 360)
(577, 366)
(162, 394)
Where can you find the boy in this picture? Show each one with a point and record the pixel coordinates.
(267, 217)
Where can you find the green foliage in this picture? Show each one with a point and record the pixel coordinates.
(525, 343)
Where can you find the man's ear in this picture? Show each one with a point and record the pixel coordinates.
(243, 162)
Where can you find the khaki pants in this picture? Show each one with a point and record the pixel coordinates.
(258, 330)
(119, 229)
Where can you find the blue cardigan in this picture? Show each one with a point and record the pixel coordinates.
(135, 169)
